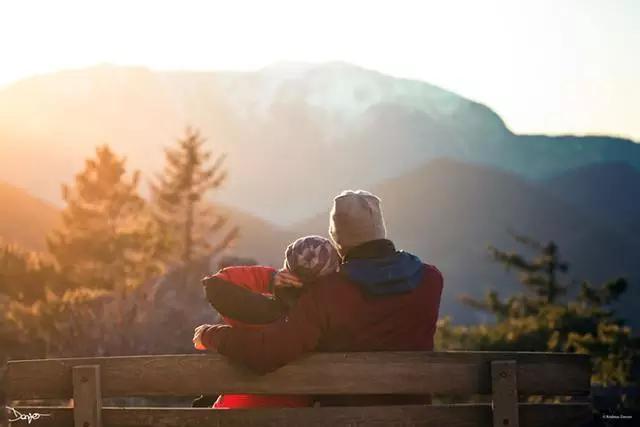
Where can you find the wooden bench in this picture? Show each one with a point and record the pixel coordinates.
(506, 378)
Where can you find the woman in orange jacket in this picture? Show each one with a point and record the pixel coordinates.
(251, 296)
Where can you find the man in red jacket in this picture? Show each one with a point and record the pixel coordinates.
(381, 299)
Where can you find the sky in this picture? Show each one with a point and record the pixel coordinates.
(546, 66)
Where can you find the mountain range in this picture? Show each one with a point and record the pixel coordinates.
(449, 212)
(25, 220)
(453, 178)
(294, 133)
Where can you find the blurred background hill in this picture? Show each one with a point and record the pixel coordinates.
(453, 177)
(294, 133)
(25, 220)
(447, 212)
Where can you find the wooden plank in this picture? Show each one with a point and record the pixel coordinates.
(504, 393)
(470, 415)
(87, 398)
(560, 414)
(459, 373)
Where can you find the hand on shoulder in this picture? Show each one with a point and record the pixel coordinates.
(197, 337)
(286, 279)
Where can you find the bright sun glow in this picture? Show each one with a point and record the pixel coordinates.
(544, 66)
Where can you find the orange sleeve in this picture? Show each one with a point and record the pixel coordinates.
(256, 278)
(242, 295)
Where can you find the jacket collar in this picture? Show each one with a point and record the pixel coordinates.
(380, 248)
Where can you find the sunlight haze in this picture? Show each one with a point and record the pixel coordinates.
(545, 66)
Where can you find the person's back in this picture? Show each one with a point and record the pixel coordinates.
(394, 318)
(361, 321)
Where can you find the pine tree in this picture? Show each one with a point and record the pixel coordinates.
(540, 276)
(25, 276)
(179, 196)
(546, 317)
(107, 238)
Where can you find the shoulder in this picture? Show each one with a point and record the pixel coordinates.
(247, 269)
(244, 274)
(329, 280)
(327, 284)
(432, 273)
(432, 269)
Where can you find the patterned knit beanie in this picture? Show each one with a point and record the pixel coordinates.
(311, 257)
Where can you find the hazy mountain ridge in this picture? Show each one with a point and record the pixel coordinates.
(609, 192)
(25, 220)
(447, 212)
(294, 134)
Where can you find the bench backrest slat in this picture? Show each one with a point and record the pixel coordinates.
(458, 373)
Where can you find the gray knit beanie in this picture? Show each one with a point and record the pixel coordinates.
(356, 218)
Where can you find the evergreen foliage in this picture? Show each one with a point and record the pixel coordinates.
(180, 199)
(25, 276)
(550, 315)
(107, 239)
